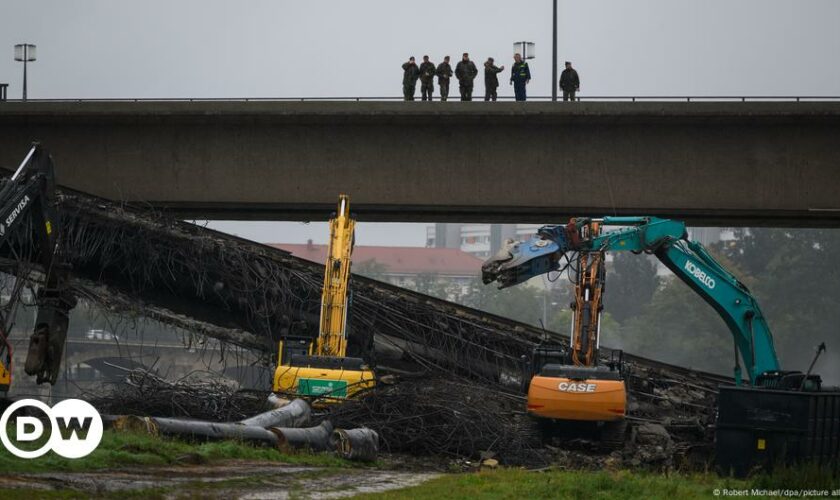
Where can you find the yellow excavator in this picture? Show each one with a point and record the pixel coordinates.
(319, 367)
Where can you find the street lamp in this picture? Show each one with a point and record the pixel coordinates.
(24, 52)
(525, 49)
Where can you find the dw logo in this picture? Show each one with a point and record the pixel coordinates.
(75, 428)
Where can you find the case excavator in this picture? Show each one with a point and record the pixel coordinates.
(571, 384)
(773, 416)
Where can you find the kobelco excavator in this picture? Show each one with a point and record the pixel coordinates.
(770, 419)
(319, 367)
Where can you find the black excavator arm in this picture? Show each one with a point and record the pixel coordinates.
(29, 195)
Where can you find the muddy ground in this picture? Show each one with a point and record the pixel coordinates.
(229, 480)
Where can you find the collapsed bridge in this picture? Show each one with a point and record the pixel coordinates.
(135, 261)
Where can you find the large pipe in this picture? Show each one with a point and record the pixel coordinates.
(158, 426)
(315, 438)
(356, 444)
(294, 414)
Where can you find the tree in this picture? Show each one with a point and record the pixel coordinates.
(797, 282)
(371, 269)
(678, 327)
(630, 286)
(434, 285)
(521, 303)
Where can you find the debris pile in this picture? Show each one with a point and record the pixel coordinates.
(434, 417)
(201, 396)
(670, 418)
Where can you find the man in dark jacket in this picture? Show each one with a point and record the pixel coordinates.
(491, 80)
(444, 73)
(410, 74)
(427, 79)
(569, 82)
(466, 73)
(520, 75)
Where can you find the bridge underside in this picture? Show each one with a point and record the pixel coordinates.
(708, 163)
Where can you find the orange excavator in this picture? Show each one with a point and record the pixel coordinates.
(761, 420)
(570, 384)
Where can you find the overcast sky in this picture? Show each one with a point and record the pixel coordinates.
(207, 48)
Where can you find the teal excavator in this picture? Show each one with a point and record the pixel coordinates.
(776, 415)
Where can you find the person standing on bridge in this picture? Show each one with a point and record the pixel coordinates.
(466, 73)
(444, 73)
(410, 74)
(427, 79)
(491, 80)
(520, 75)
(569, 82)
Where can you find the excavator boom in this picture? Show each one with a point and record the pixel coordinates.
(29, 195)
(667, 240)
(332, 340)
(320, 367)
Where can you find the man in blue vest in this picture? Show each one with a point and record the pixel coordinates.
(520, 75)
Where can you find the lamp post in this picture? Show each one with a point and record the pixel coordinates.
(554, 53)
(526, 49)
(24, 52)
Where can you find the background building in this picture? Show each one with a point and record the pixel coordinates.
(401, 266)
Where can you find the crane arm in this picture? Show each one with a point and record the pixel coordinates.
(549, 250)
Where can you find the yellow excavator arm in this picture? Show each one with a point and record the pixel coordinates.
(332, 338)
(319, 367)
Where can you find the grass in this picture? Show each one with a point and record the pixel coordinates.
(518, 483)
(128, 449)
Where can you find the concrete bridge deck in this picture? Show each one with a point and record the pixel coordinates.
(721, 163)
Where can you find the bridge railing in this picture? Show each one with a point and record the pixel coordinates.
(580, 98)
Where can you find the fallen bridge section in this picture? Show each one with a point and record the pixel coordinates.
(143, 263)
(137, 262)
(711, 163)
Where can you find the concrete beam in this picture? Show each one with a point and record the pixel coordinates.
(721, 163)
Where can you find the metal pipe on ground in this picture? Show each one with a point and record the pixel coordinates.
(356, 444)
(315, 438)
(196, 429)
(294, 414)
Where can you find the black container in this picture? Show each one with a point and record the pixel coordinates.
(761, 427)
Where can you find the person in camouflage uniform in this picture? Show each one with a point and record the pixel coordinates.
(410, 74)
(569, 82)
(466, 73)
(491, 80)
(427, 79)
(444, 73)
